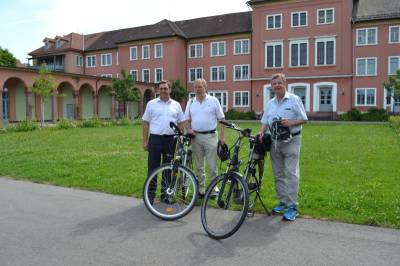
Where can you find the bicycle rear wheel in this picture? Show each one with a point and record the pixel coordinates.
(223, 216)
(170, 192)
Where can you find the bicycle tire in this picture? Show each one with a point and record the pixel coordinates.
(208, 211)
(168, 204)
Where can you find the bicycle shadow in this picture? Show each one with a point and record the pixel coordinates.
(258, 231)
(126, 223)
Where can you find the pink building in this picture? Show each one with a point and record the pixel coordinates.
(336, 54)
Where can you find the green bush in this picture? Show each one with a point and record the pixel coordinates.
(124, 121)
(65, 124)
(232, 114)
(91, 123)
(375, 114)
(27, 125)
(395, 122)
(352, 115)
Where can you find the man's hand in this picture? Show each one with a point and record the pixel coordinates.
(222, 140)
(190, 131)
(145, 146)
(261, 135)
(287, 123)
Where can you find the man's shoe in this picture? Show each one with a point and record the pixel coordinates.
(291, 213)
(279, 208)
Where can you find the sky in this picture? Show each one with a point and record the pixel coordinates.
(25, 23)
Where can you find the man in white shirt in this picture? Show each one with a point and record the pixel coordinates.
(289, 109)
(202, 114)
(157, 116)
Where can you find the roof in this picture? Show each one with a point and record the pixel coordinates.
(365, 10)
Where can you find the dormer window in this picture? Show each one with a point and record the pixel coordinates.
(46, 45)
(58, 43)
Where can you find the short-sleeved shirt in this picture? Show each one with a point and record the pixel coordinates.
(160, 113)
(291, 107)
(204, 115)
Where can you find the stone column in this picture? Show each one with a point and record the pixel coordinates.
(1, 108)
(76, 105)
(54, 99)
(28, 97)
(113, 106)
(95, 105)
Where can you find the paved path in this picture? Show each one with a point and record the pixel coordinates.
(47, 225)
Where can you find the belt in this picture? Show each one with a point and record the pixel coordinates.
(205, 132)
(165, 135)
(297, 133)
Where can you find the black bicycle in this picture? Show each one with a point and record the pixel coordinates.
(238, 193)
(170, 191)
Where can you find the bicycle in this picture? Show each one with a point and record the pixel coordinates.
(223, 217)
(178, 186)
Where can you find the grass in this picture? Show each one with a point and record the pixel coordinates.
(349, 172)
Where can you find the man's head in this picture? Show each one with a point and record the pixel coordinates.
(278, 83)
(164, 87)
(200, 86)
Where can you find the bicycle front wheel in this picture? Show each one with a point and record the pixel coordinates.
(222, 216)
(170, 192)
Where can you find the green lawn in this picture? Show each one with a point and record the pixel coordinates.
(348, 172)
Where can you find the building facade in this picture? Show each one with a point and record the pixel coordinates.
(336, 54)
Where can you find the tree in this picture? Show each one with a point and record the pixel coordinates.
(7, 58)
(178, 91)
(43, 86)
(124, 90)
(393, 86)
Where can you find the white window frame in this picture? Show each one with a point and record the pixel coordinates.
(274, 16)
(273, 43)
(291, 87)
(365, 97)
(241, 72)
(58, 43)
(398, 64)
(148, 47)
(385, 95)
(325, 40)
(130, 53)
(241, 99)
(299, 12)
(137, 73)
(79, 60)
(366, 36)
(241, 41)
(290, 52)
(218, 51)
(366, 67)
(325, 10)
(155, 50)
(155, 74)
(196, 69)
(195, 50)
(143, 70)
(102, 62)
(106, 76)
(87, 61)
(390, 33)
(218, 68)
(212, 93)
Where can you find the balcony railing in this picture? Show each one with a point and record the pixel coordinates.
(51, 67)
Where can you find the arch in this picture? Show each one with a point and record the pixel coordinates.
(66, 103)
(317, 87)
(86, 92)
(267, 92)
(104, 102)
(14, 99)
(291, 88)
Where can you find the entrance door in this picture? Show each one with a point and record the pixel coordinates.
(325, 99)
(301, 92)
(6, 106)
(70, 111)
(396, 107)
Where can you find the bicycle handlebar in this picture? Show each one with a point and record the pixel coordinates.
(246, 132)
(175, 128)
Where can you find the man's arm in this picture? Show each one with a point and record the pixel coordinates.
(145, 135)
(292, 123)
(222, 132)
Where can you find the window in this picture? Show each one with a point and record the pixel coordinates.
(367, 36)
(241, 99)
(365, 97)
(91, 61)
(394, 34)
(394, 64)
(158, 74)
(274, 22)
(195, 73)
(158, 50)
(146, 52)
(58, 43)
(106, 60)
(46, 45)
(134, 74)
(241, 72)
(299, 19)
(218, 48)
(222, 97)
(133, 53)
(299, 53)
(325, 52)
(146, 75)
(79, 60)
(217, 73)
(273, 54)
(196, 50)
(366, 66)
(325, 16)
(388, 98)
(106, 76)
(241, 46)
